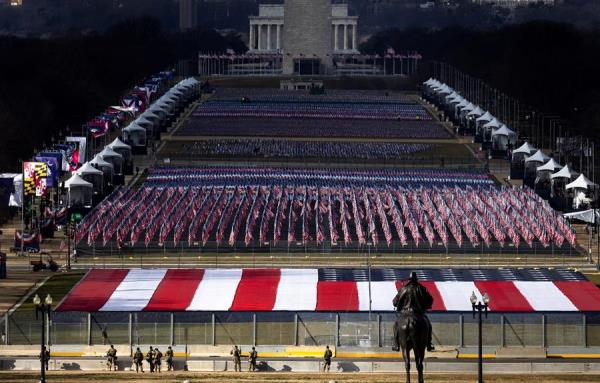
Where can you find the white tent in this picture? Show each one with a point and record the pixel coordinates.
(580, 186)
(503, 137)
(550, 166)
(145, 122)
(114, 158)
(582, 182)
(487, 116)
(106, 167)
(494, 123)
(455, 100)
(539, 156)
(565, 172)
(135, 134)
(122, 148)
(469, 107)
(92, 175)
(589, 216)
(524, 149)
(16, 198)
(443, 89)
(155, 110)
(476, 112)
(452, 95)
(79, 191)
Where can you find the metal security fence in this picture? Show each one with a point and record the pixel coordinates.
(578, 330)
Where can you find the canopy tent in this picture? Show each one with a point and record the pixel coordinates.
(122, 148)
(503, 138)
(481, 121)
(582, 182)
(539, 156)
(580, 186)
(544, 171)
(114, 158)
(565, 172)
(468, 108)
(166, 106)
(452, 96)
(148, 124)
(589, 216)
(443, 89)
(92, 175)
(7, 188)
(154, 116)
(106, 167)
(79, 193)
(477, 112)
(135, 134)
(550, 166)
(455, 100)
(524, 149)
(493, 123)
(488, 129)
(464, 102)
(487, 116)
(160, 114)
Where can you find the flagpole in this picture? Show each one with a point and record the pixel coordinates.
(22, 205)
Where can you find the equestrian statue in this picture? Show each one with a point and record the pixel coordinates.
(412, 330)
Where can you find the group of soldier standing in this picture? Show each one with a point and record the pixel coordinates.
(236, 353)
(153, 357)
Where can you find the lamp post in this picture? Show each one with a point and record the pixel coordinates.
(480, 308)
(44, 308)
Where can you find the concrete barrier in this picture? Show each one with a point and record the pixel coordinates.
(307, 366)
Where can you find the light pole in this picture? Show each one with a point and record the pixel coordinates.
(480, 308)
(44, 308)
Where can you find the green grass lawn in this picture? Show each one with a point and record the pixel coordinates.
(57, 286)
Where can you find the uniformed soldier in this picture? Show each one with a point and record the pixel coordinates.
(138, 360)
(327, 359)
(150, 359)
(169, 355)
(46, 358)
(252, 360)
(111, 355)
(237, 358)
(157, 359)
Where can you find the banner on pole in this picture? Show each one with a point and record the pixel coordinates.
(34, 181)
(81, 141)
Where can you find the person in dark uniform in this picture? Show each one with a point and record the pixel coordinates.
(327, 359)
(157, 360)
(237, 358)
(111, 355)
(252, 360)
(408, 298)
(138, 360)
(169, 355)
(150, 359)
(46, 358)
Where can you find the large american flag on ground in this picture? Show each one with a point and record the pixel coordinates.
(344, 290)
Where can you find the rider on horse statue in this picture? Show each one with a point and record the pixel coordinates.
(413, 298)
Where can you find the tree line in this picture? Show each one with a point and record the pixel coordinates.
(49, 85)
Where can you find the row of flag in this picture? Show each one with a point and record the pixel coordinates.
(481, 215)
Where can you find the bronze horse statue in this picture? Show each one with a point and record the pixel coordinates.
(412, 331)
